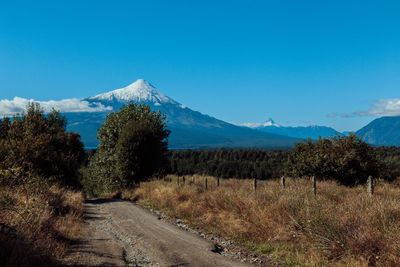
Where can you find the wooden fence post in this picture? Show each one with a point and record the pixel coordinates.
(183, 180)
(283, 182)
(314, 185)
(218, 181)
(205, 182)
(370, 185)
(255, 184)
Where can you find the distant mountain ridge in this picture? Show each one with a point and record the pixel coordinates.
(382, 131)
(304, 132)
(189, 128)
(192, 129)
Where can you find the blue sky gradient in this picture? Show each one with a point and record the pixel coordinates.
(299, 62)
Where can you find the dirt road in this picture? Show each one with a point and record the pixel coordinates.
(120, 233)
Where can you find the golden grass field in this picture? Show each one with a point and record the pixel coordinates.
(36, 227)
(341, 226)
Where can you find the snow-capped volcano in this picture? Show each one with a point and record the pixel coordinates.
(139, 91)
(189, 128)
(267, 123)
(313, 132)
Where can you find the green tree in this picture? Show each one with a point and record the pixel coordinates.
(133, 146)
(35, 144)
(346, 159)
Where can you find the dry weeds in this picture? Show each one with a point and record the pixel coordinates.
(342, 226)
(36, 227)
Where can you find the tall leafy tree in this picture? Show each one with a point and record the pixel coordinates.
(133, 146)
(36, 144)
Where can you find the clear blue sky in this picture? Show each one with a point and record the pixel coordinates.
(333, 63)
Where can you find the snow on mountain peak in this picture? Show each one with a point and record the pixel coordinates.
(267, 123)
(139, 91)
(270, 122)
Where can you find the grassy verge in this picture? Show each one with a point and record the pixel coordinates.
(340, 227)
(36, 226)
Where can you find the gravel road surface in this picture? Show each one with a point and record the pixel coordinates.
(121, 233)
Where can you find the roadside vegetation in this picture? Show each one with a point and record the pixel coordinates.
(37, 226)
(44, 170)
(133, 147)
(40, 213)
(345, 159)
(341, 226)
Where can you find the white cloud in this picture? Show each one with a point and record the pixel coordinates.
(380, 108)
(18, 105)
(332, 115)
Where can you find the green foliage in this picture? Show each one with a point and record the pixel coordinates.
(390, 159)
(347, 160)
(35, 145)
(133, 146)
(229, 163)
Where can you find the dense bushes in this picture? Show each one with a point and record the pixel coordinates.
(37, 226)
(133, 146)
(347, 160)
(36, 145)
(389, 157)
(38, 217)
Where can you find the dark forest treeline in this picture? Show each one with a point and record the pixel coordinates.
(226, 163)
(347, 160)
(390, 159)
(258, 163)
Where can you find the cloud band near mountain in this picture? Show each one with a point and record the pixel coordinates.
(19, 104)
(380, 108)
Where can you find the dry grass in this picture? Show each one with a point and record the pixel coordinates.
(37, 226)
(340, 227)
